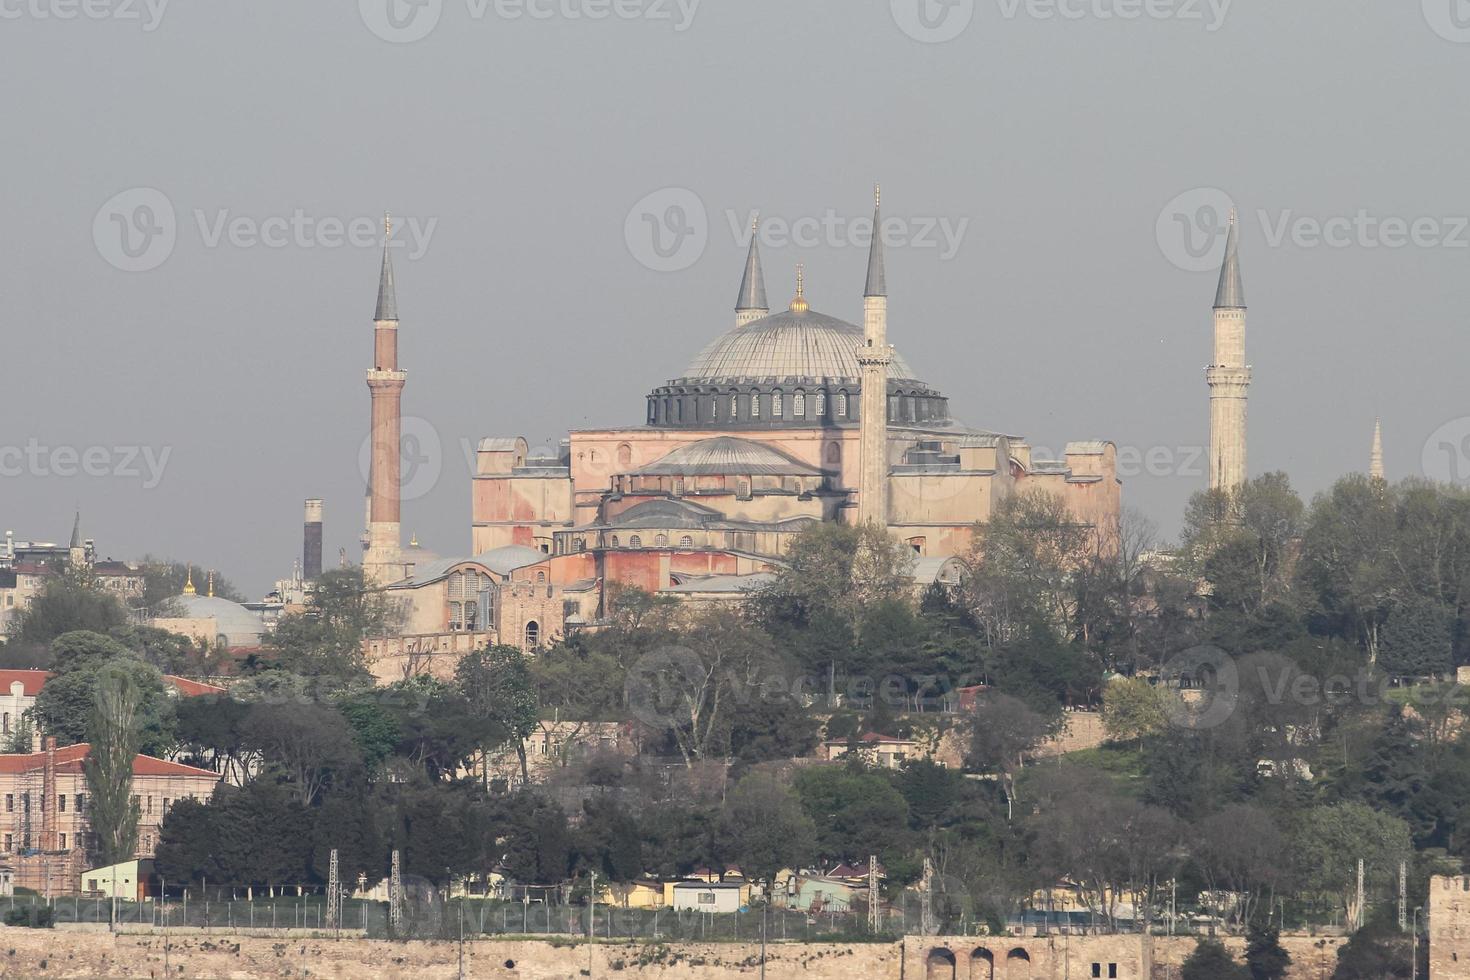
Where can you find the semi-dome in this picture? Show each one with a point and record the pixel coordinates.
(789, 344)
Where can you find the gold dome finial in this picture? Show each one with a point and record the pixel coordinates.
(189, 581)
(413, 540)
(799, 304)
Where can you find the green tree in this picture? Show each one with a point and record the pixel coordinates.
(164, 579)
(63, 605)
(496, 682)
(326, 639)
(66, 706)
(1330, 840)
(764, 827)
(1003, 731)
(1133, 709)
(1264, 955)
(113, 808)
(1212, 961)
(1418, 639)
(305, 744)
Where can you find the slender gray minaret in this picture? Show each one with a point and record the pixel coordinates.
(1375, 457)
(1228, 375)
(311, 540)
(874, 356)
(751, 304)
(383, 561)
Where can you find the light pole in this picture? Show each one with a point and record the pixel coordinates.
(1414, 947)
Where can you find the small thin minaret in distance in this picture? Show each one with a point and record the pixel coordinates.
(874, 357)
(1375, 457)
(1228, 376)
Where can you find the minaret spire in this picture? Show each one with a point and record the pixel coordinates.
(877, 279)
(1375, 458)
(1230, 294)
(1228, 376)
(751, 304)
(874, 357)
(189, 581)
(387, 295)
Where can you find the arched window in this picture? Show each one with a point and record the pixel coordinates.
(734, 406)
(798, 405)
(614, 540)
(635, 542)
(842, 404)
(742, 488)
(686, 542)
(625, 454)
(666, 410)
(821, 404)
(834, 453)
(652, 411)
(777, 409)
(755, 404)
(533, 634)
(662, 541)
(540, 578)
(678, 409)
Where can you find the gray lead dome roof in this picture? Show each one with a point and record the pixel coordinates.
(788, 344)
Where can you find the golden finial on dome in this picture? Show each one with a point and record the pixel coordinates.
(413, 540)
(799, 304)
(189, 581)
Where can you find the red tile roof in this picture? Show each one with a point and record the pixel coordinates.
(191, 689)
(69, 760)
(30, 679)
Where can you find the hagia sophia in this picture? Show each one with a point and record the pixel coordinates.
(783, 420)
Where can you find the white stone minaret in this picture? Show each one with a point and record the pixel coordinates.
(874, 355)
(1375, 457)
(751, 304)
(1228, 375)
(383, 563)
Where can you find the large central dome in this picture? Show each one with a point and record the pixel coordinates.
(805, 345)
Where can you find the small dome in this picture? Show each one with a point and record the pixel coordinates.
(800, 344)
(239, 626)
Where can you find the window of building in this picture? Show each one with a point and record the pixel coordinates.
(679, 487)
(533, 633)
(755, 404)
(686, 542)
(635, 542)
(714, 409)
(834, 453)
(821, 403)
(7, 723)
(662, 541)
(61, 803)
(777, 409)
(706, 898)
(614, 540)
(734, 405)
(798, 405)
(678, 409)
(10, 842)
(842, 404)
(81, 802)
(540, 578)
(61, 839)
(9, 802)
(742, 488)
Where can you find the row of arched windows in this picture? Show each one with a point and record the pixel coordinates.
(754, 404)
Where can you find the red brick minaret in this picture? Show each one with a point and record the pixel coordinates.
(382, 562)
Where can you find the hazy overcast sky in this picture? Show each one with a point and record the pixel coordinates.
(1056, 148)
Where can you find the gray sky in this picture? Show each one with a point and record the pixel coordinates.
(1062, 314)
